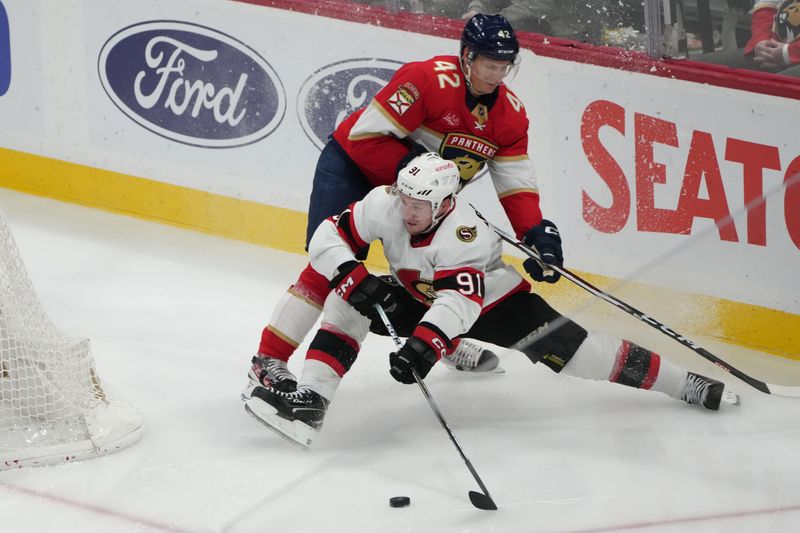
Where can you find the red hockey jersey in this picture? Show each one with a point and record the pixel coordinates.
(428, 103)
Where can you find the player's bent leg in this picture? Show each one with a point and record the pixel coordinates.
(295, 315)
(292, 319)
(298, 415)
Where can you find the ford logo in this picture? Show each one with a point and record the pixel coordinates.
(5, 52)
(191, 84)
(335, 91)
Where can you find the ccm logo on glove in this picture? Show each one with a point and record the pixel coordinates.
(355, 285)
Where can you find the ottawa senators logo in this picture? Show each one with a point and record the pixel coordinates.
(466, 234)
(421, 289)
(787, 20)
(425, 289)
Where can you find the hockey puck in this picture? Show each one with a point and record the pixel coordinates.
(399, 501)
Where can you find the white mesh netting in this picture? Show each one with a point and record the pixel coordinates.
(53, 408)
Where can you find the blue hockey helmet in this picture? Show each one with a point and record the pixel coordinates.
(491, 36)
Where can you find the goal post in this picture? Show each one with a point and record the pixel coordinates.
(53, 407)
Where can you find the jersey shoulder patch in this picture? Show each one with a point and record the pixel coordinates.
(466, 233)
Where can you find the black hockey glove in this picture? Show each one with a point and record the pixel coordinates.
(403, 319)
(547, 242)
(420, 352)
(362, 290)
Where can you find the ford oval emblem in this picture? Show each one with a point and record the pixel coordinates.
(191, 84)
(336, 90)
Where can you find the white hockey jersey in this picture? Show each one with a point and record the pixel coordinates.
(456, 270)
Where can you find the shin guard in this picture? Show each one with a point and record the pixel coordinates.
(295, 315)
(635, 366)
(329, 357)
(602, 357)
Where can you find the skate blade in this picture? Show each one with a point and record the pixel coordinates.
(292, 431)
(247, 392)
(731, 398)
(496, 370)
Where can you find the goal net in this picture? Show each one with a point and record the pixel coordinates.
(53, 407)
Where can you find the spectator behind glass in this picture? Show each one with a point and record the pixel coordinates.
(578, 20)
(774, 46)
(530, 15)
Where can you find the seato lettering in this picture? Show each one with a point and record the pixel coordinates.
(701, 171)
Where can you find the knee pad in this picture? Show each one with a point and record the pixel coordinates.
(311, 285)
(340, 316)
(554, 343)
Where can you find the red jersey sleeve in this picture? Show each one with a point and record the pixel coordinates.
(794, 52)
(761, 27)
(375, 137)
(511, 168)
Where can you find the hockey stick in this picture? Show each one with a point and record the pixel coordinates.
(777, 390)
(480, 500)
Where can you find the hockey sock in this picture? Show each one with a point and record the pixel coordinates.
(295, 315)
(330, 356)
(601, 357)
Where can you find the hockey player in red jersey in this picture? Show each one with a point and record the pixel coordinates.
(457, 106)
(448, 279)
(774, 44)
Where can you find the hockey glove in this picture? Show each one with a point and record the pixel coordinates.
(420, 352)
(547, 242)
(362, 290)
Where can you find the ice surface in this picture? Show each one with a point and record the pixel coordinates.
(174, 317)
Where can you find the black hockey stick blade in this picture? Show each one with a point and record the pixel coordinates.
(482, 501)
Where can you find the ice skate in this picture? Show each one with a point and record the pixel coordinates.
(470, 357)
(269, 372)
(296, 416)
(707, 392)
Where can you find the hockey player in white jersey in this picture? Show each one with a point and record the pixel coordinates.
(447, 279)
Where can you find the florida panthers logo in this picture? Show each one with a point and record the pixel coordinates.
(787, 20)
(467, 151)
